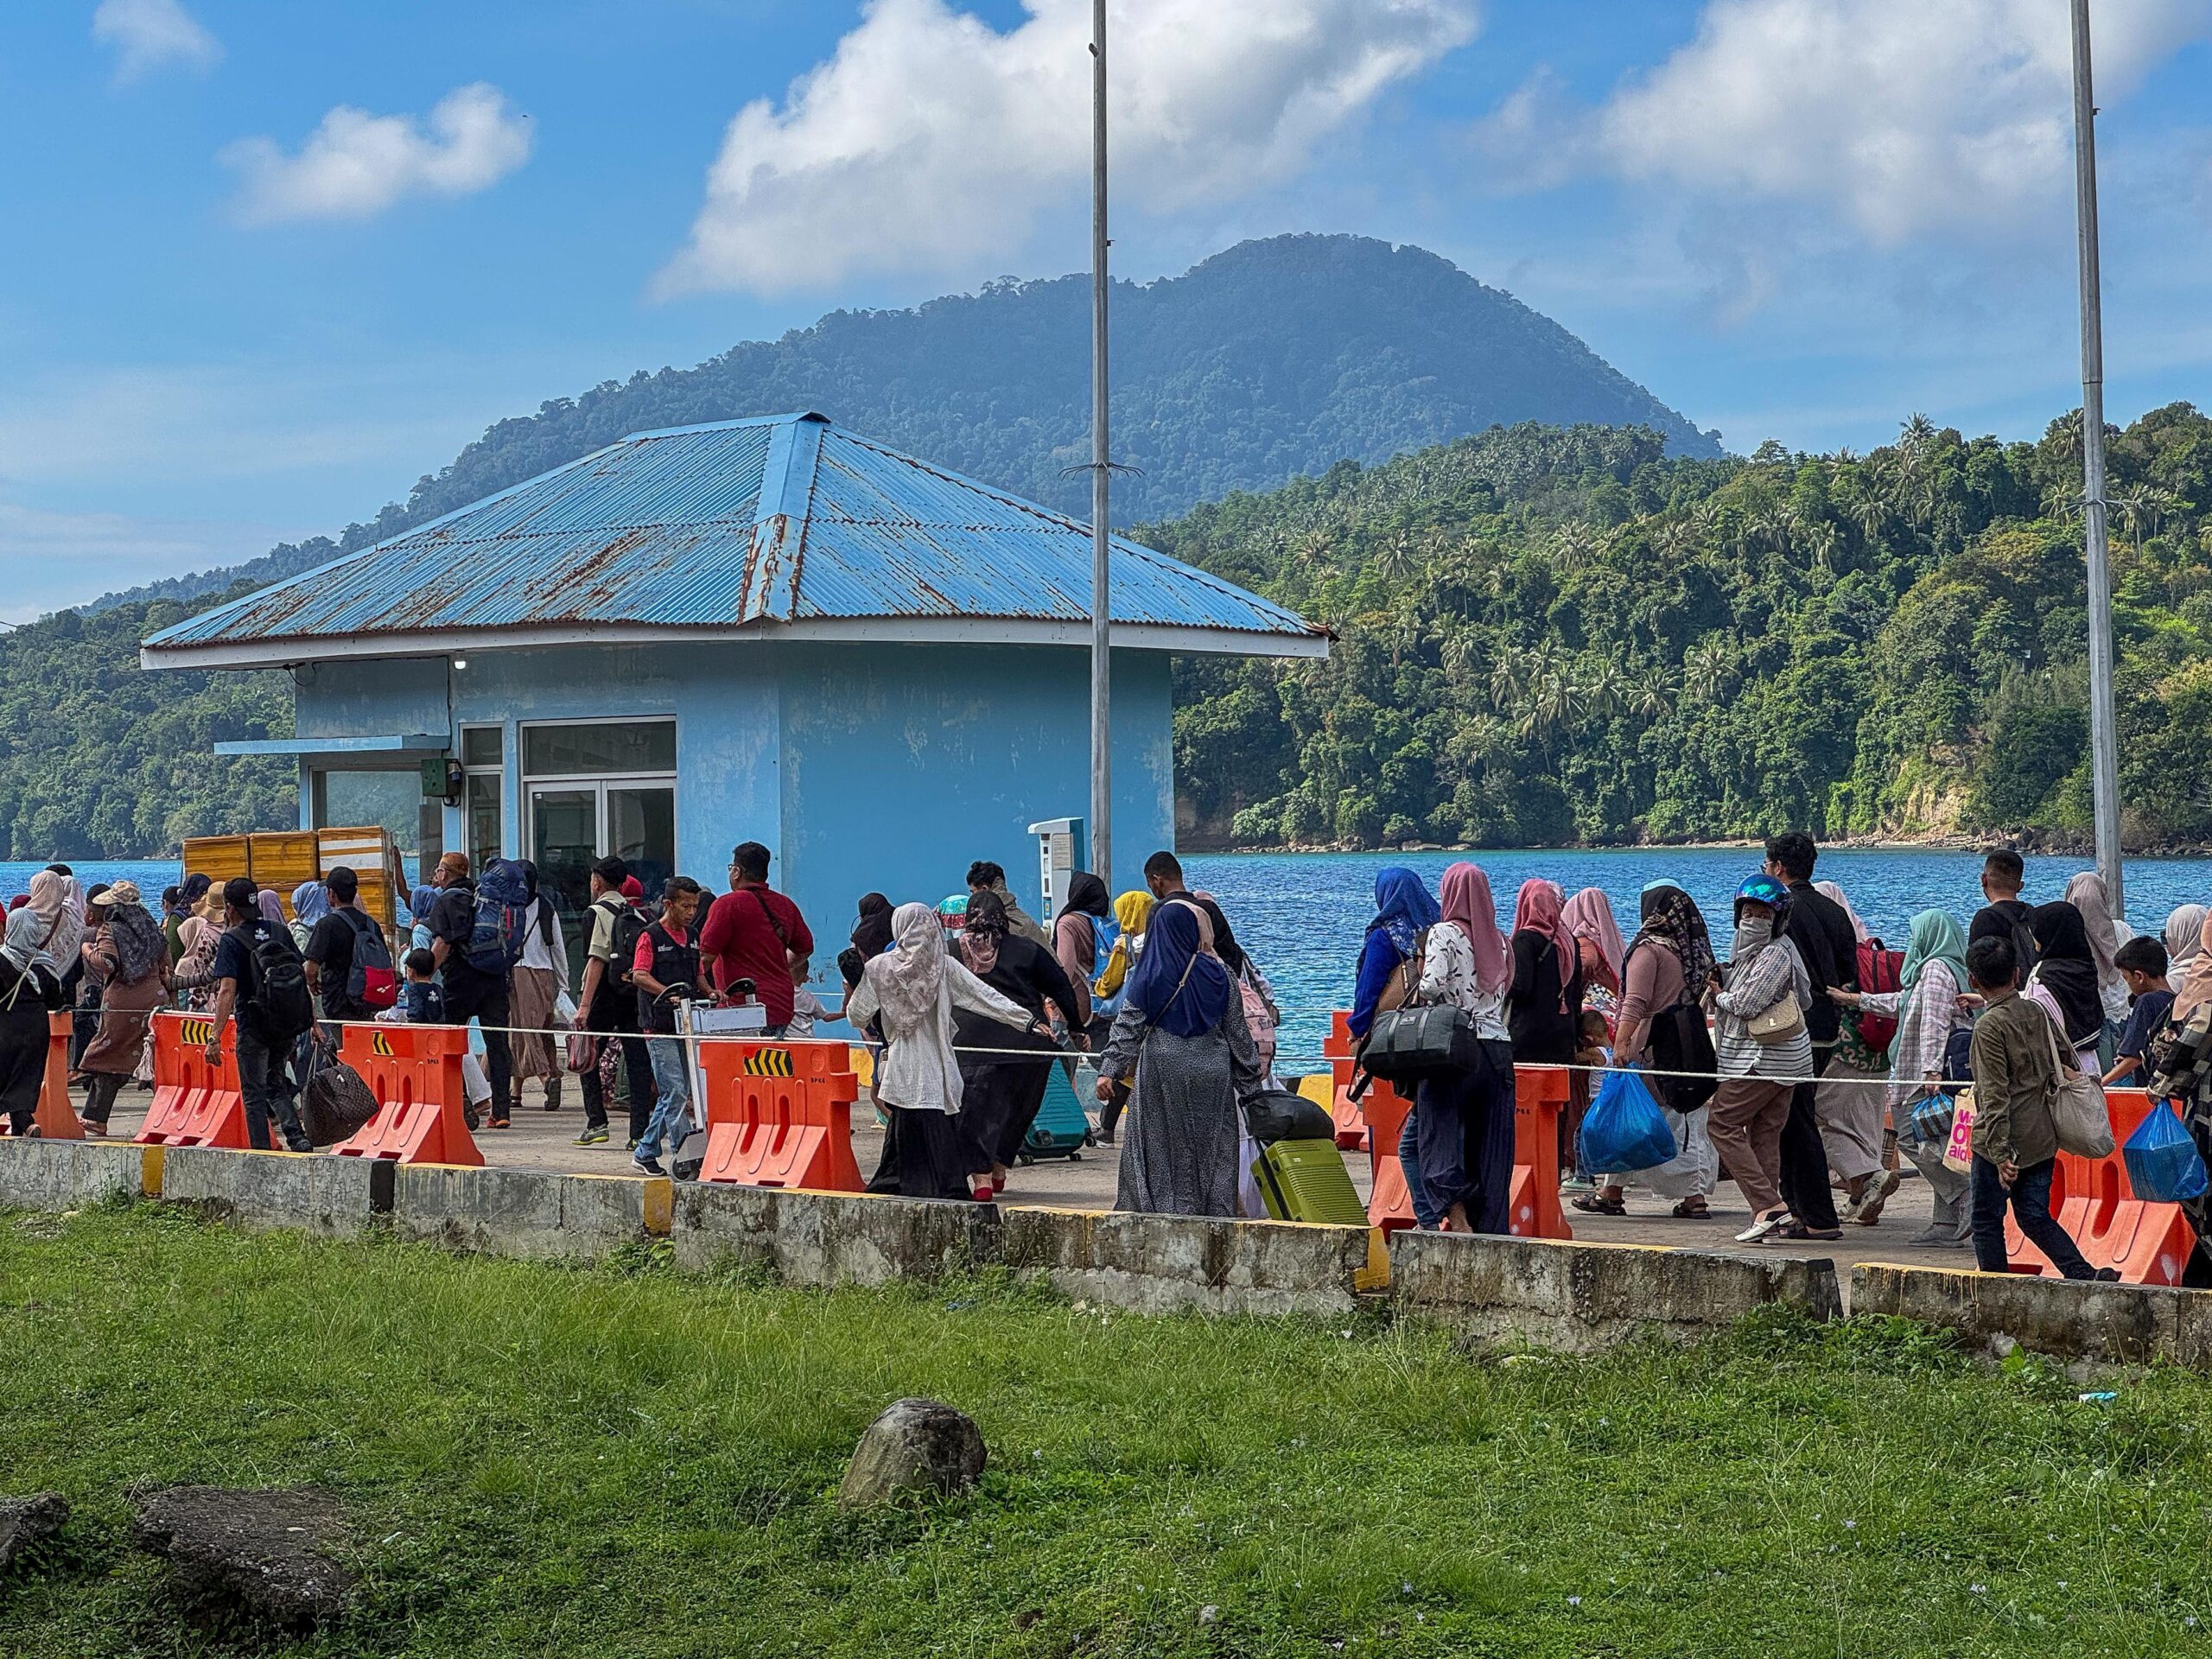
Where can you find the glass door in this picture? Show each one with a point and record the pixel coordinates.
(564, 844)
(641, 831)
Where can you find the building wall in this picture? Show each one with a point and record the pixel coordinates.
(859, 766)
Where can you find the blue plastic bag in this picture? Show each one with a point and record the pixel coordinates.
(2163, 1165)
(1624, 1129)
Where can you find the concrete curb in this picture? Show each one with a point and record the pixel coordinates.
(821, 1239)
(332, 1197)
(525, 1212)
(2102, 1323)
(37, 1174)
(1584, 1298)
(1162, 1264)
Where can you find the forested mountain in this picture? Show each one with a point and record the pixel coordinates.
(1547, 635)
(1554, 636)
(1274, 359)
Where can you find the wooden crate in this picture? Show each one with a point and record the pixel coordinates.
(282, 859)
(369, 853)
(219, 857)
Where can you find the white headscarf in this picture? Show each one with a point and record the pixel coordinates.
(1833, 894)
(2184, 935)
(2086, 893)
(909, 978)
(59, 904)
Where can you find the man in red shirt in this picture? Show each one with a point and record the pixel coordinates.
(755, 933)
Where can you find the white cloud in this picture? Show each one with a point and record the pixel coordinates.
(930, 142)
(1907, 116)
(56, 559)
(355, 164)
(150, 34)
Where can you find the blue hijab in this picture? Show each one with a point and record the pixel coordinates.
(1404, 907)
(310, 903)
(420, 901)
(1179, 988)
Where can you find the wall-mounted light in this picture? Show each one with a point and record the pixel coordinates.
(460, 663)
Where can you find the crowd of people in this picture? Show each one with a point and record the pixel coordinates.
(1808, 1062)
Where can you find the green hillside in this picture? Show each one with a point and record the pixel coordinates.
(1273, 359)
(1548, 634)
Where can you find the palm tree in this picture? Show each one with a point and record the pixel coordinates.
(1462, 654)
(1573, 542)
(1914, 436)
(1649, 699)
(1607, 692)
(1825, 539)
(1400, 559)
(1705, 670)
(1508, 679)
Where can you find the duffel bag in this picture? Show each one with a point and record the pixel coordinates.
(1407, 1044)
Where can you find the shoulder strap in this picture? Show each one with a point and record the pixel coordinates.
(769, 910)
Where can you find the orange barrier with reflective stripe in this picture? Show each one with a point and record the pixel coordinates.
(195, 1104)
(1376, 1119)
(415, 1073)
(1540, 1094)
(57, 1113)
(2149, 1244)
(779, 1114)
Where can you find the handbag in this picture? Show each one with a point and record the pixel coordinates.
(1278, 1114)
(1778, 1023)
(335, 1104)
(1407, 1044)
(2077, 1109)
(583, 1051)
(1958, 1151)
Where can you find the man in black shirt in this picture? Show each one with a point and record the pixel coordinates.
(264, 1082)
(2005, 917)
(1163, 874)
(330, 949)
(471, 994)
(1829, 945)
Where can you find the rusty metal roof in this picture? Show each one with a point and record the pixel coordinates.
(782, 519)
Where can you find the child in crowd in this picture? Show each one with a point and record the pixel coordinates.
(423, 1003)
(806, 1007)
(2142, 963)
(2015, 1138)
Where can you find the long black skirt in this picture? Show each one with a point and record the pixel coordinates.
(1003, 1095)
(937, 1153)
(23, 1060)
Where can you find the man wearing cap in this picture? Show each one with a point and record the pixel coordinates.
(262, 1080)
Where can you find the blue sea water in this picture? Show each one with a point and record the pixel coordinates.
(1302, 914)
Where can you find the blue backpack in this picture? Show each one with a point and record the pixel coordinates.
(1105, 934)
(495, 942)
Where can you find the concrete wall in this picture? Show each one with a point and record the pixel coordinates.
(1158, 1264)
(1995, 1312)
(57, 1175)
(821, 1239)
(1586, 1298)
(333, 1196)
(526, 1213)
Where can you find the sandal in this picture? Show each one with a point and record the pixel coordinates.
(1692, 1209)
(1596, 1204)
(1798, 1232)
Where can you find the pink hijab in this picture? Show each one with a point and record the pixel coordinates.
(1589, 915)
(1537, 910)
(1468, 907)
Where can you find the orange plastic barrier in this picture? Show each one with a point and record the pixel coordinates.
(194, 1105)
(415, 1073)
(1375, 1121)
(2149, 1244)
(1540, 1094)
(57, 1113)
(779, 1114)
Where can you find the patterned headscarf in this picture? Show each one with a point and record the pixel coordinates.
(1403, 908)
(310, 902)
(1671, 921)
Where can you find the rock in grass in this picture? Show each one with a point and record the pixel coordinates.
(921, 1446)
(260, 1555)
(26, 1523)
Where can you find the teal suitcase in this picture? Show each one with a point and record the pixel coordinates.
(1061, 1129)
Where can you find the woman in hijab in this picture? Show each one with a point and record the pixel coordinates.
(535, 992)
(1004, 1091)
(193, 977)
(1926, 1008)
(912, 993)
(2184, 936)
(1849, 1103)
(28, 988)
(310, 904)
(1763, 971)
(871, 932)
(1599, 950)
(2065, 979)
(173, 915)
(82, 986)
(1546, 994)
(2196, 980)
(129, 953)
(1132, 915)
(2087, 893)
(1387, 978)
(1464, 1142)
(1665, 966)
(1081, 939)
(1181, 1042)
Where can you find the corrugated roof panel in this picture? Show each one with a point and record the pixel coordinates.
(670, 529)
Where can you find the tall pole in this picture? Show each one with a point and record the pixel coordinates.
(2104, 748)
(1101, 664)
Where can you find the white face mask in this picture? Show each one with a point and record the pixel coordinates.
(1752, 933)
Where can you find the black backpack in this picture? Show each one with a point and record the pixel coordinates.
(279, 1007)
(630, 924)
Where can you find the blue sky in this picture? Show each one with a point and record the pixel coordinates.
(271, 261)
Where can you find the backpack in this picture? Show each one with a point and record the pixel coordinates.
(370, 982)
(1879, 970)
(630, 924)
(279, 1007)
(1105, 939)
(495, 942)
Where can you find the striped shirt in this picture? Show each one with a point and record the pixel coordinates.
(1750, 988)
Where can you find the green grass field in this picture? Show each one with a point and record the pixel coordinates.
(626, 1461)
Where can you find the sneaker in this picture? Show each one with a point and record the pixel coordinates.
(592, 1137)
(1873, 1195)
(630, 1145)
(1762, 1225)
(501, 1123)
(644, 1164)
(1934, 1236)
(2106, 1277)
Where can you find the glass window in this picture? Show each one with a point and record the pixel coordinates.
(482, 746)
(392, 799)
(480, 817)
(584, 751)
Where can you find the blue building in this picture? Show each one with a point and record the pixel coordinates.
(770, 630)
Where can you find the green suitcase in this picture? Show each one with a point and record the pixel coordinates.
(1304, 1180)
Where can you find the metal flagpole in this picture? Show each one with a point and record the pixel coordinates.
(2103, 741)
(1101, 670)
